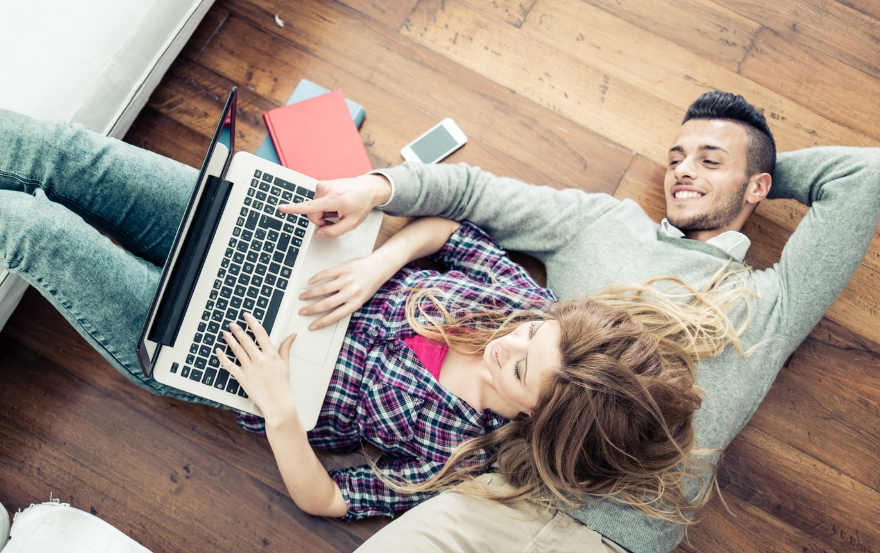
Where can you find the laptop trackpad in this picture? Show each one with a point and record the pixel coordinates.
(310, 345)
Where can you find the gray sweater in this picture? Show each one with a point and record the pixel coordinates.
(590, 241)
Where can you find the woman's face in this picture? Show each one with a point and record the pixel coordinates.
(519, 361)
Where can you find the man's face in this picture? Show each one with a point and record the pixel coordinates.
(706, 177)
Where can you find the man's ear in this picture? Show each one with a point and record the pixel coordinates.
(758, 188)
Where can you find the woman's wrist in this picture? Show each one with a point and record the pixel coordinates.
(282, 417)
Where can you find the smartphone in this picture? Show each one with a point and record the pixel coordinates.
(438, 142)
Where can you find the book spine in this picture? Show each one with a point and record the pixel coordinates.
(273, 136)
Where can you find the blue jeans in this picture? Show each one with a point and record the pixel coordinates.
(57, 185)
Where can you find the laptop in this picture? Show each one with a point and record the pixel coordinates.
(234, 253)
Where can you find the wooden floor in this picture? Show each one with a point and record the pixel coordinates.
(585, 94)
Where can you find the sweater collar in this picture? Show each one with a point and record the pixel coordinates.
(736, 244)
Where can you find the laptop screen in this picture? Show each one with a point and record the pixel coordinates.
(163, 318)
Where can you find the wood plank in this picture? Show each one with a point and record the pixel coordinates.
(813, 79)
(703, 27)
(580, 92)
(867, 7)
(209, 26)
(833, 28)
(844, 370)
(159, 133)
(672, 73)
(512, 12)
(801, 492)
(656, 66)
(210, 429)
(390, 14)
(804, 414)
(240, 41)
(155, 466)
(735, 526)
(490, 113)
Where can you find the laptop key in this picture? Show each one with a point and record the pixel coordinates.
(201, 363)
(272, 311)
(270, 222)
(208, 380)
(174, 367)
(185, 372)
(222, 378)
(196, 375)
(252, 218)
(232, 386)
(290, 259)
(242, 393)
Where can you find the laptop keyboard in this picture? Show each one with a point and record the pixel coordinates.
(252, 278)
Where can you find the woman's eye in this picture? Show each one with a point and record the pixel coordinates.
(532, 328)
(516, 367)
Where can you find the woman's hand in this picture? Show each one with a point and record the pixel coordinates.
(351, 284)
(264, 372)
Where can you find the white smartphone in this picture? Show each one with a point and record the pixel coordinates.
(438, 142)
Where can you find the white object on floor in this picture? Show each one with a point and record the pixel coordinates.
(57, 526)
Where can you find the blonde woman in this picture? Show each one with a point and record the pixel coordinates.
(446, 373)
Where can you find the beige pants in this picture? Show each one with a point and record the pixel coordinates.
(455, 522)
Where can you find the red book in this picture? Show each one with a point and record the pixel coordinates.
(318, 138)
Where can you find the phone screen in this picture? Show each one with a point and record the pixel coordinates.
(433, 145)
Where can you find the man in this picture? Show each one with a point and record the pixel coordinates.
(721, 165)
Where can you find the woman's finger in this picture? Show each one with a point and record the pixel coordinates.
(332, 272)
(284, 350)
(244, 340)
(239, 351)
(334, 316)
(259, 332)
(326, 288)
(326, 304)
(227, 363)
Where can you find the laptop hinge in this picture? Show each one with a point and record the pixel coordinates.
(185, 274)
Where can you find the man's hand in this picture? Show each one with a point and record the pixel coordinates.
(348, 200)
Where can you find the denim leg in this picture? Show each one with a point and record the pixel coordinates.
(135, 196)
(101, 289)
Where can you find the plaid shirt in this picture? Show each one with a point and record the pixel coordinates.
(382, 394)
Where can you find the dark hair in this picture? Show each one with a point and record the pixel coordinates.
(761, 149)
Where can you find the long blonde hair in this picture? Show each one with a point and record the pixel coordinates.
(614, 421)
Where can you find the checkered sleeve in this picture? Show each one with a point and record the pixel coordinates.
(475, 254)
(368, 496)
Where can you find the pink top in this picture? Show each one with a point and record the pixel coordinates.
(430, 354)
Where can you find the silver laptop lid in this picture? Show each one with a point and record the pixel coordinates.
(183, 264)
